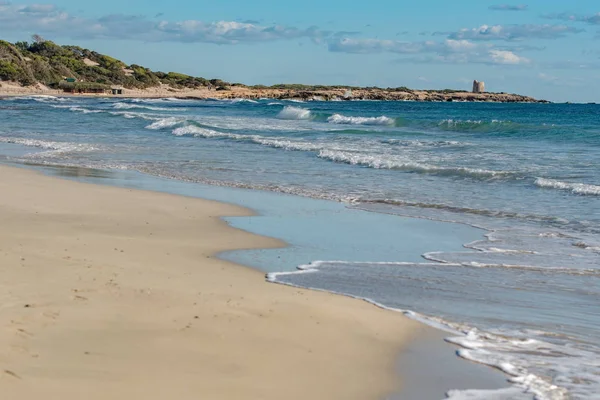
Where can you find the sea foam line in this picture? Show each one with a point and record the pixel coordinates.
(381, 161)
(53, 148)
(576, 188)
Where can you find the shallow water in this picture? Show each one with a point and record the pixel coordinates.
(524, 298)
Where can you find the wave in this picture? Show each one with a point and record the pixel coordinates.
(340, 119)
(576, 188)
(242, 101)
(343, 153)
(280, 143)
(294, 113)
(85, 110)
(325, 150)
(298, 113)
(382, 161)
(129, 106)
(165, 123)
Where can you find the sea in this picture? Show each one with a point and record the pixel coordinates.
(519, 184)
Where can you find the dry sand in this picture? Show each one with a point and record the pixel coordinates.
(109, 293)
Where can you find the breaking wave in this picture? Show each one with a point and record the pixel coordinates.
(242, 101)
(165, 123)
(340, 119)
(294, 113)
(280, 143)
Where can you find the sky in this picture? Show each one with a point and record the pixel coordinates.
(548, 49)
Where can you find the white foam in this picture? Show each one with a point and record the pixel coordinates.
(243, 101)
(453, 123)
(294, 113)
(503, 353)
(511, 393)
(165, 123)
(245, 124)
(576, 188)
(129, 106)
(193, 130)
(85, 110)
(340, 119)
(53, 148)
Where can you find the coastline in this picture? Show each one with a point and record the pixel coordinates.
(250, 93)
(115, 292)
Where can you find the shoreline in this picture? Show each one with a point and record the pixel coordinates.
(424, 353)
(53, 321)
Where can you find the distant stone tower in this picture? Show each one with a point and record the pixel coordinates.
(478, 87)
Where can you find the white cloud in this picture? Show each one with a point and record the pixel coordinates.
(514, 32)
(465, 46)
(593, 19)
(370, 46)
(507, 57)
(448, 51)
(508, 7)
(50, 20)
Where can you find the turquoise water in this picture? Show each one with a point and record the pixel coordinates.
(523, 298)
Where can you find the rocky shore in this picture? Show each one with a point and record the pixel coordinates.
(375, 94)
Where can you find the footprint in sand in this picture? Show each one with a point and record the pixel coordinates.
(11, 374)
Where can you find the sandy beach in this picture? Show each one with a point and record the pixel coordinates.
(115, 293)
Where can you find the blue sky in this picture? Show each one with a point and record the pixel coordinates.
(548, 49)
